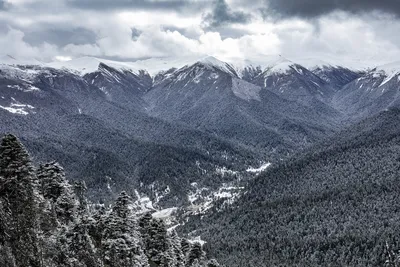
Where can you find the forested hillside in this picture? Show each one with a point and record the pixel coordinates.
(45, 221)
(336, 205)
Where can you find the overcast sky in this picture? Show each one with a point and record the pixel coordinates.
(133, 29)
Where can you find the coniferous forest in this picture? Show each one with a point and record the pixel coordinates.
(46, 221)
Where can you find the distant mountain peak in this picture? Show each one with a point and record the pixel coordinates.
(213, 62)
(12, 60)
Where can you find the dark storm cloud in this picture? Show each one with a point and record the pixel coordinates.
(133, 4)
(316, 8)
(59, 36)
(135, 33)
(222, 14)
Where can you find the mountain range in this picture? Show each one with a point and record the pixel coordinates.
(263, 146)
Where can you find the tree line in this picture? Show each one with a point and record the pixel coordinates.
(45, 221)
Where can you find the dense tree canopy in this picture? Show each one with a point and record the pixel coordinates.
(44, 221)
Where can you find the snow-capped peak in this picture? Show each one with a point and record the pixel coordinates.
(323, 61)
(313, 64)
(389, 70)
(12, 60)
(272, 63)
(235, 66)
(156, 65)
(211, 61)
(86, 65)
(281, 67)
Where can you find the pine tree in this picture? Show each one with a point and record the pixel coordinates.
(80, 190)
(18, 196)
(56, 189)
(212, 263)
(97, 229)
(144, 228)
(176, 250)
(196, 253)
(186, 246)
(6, 255)
(122, 244)
(58, 209)
(159, 248)
(82, 251)
(51, 178)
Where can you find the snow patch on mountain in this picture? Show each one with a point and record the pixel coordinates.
(198, 240)
(18, 108)
(203, 199)
(245, 90)
(260, 169)
(165, 213)
(26, 88)
(389, 71)
(225, 171)
(142, 204)
(23, 73)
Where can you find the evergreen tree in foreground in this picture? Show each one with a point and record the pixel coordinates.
(122, 243)
(46, 222)
(55, 188)
(18, 199)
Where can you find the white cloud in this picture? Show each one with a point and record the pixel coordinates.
(338, 34)
(62, 58)
(12, 43)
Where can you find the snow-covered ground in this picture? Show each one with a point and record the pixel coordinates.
(198, 240)
(165, 213)
(18, 108)
(245, 90)
(260, 169)
(203, 199)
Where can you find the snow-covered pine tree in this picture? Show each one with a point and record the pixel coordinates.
(51, 179)
(80, 192)
(144, 223)
(6, 254)
(55, 188)
(179, 258)
(99, 218)
(159, 248)
(185, 245)
(18, 196)
(81, 250)
(121, 241)
(58, 210)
